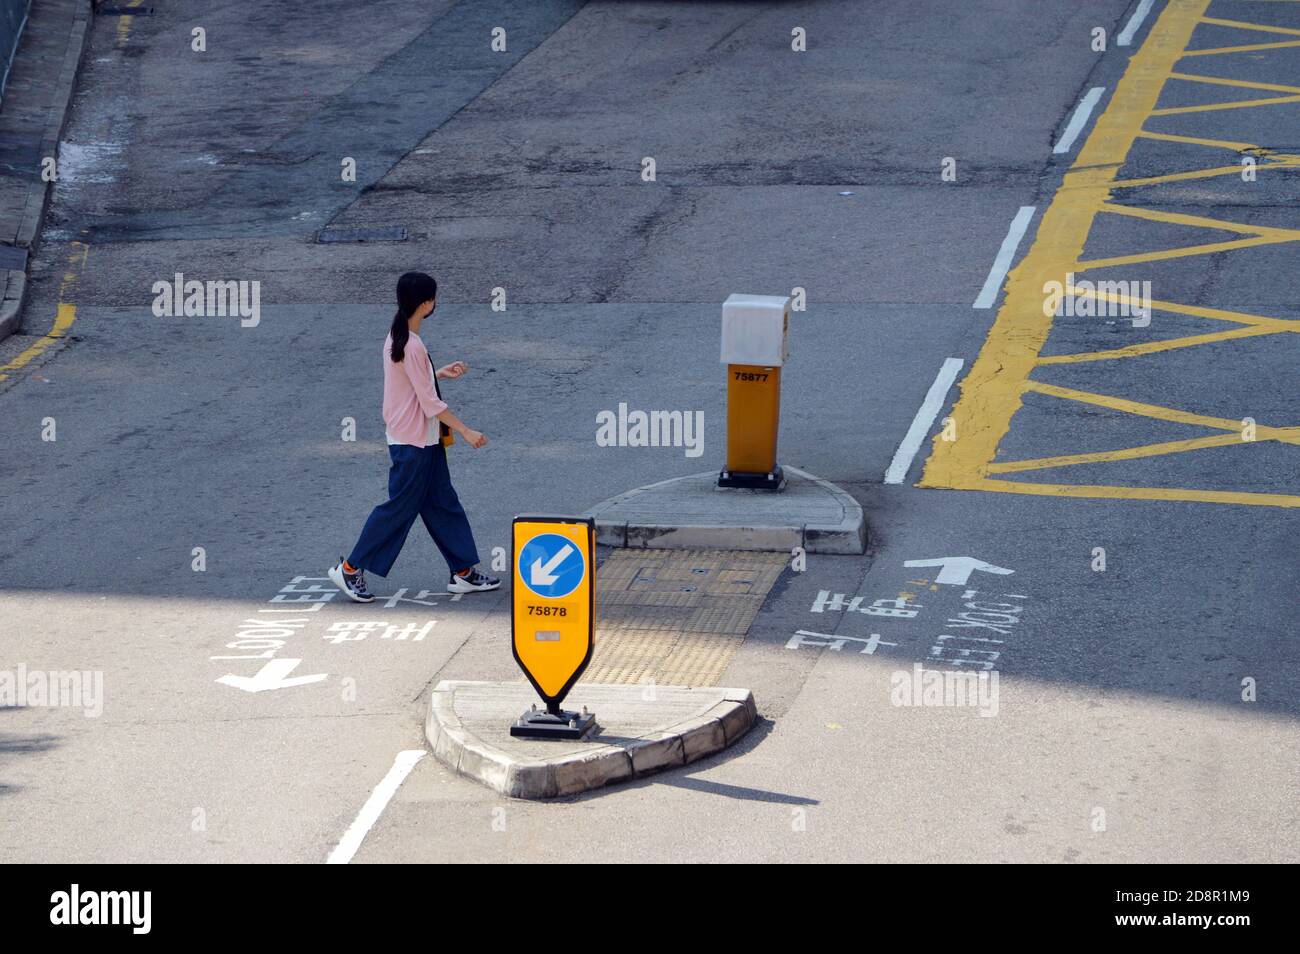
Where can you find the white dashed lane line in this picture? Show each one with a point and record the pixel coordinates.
(374, 807)
(1079, 119)
(934, 399)
(1135, 21)
(1002, 264)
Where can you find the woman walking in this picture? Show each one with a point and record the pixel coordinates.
(419, 425)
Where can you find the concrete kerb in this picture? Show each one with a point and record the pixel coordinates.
(11, 305)
(37, 189)
(680, 513)
(729, 714)
(34, 213)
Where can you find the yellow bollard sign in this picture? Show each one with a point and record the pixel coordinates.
(754, 333)
(553, 561)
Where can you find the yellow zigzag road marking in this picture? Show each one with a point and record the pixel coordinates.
(1199, 221)
(1197, 141)
(1236, 104)
(1128, 453)
(1255, 325)
(992, 392)
(1152, 347)
(1105, 492)
(1243, 49)
(1221, 314)
(1261, 235)
(1243, 25)
(1284, 162)
(1184, 252)
(1244, 84)
(1289, 435)
(1196, 311)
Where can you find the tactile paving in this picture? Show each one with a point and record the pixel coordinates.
(676, 617)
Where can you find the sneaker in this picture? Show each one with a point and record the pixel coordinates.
(353, 584)
(472, 582)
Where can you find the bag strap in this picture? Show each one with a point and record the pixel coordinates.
(444, 432)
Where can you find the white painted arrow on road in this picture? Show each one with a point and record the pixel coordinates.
(957, 570)
(271, 676)
(543, 575)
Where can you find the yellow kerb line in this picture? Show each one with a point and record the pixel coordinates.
(66, 315)
(124, 24)
(992, 392)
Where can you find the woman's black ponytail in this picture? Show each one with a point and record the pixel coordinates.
(400, 331)
(413, 290)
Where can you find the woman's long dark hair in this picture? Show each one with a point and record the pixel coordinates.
(413, 290)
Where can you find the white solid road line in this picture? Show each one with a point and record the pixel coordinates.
(1079, 119)
(1135, 21)
(1002, 264)
(902, 461)
(374, 807)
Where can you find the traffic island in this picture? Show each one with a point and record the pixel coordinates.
(694, 513)
(640, 730)
(752, 503)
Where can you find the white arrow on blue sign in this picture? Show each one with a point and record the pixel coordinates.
(551, 566)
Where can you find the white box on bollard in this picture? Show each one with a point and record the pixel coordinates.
(754, 329)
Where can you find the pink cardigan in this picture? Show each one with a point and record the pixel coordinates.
(411, 405)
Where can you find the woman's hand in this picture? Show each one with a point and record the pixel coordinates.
(453, 370)
(473, 438)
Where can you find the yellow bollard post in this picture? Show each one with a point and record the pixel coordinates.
(754, 332)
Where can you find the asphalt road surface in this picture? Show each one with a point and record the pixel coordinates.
(1137, 472)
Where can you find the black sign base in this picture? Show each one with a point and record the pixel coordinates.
(747, 481)
(540, 724)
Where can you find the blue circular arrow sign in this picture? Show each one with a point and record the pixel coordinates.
(551, 566)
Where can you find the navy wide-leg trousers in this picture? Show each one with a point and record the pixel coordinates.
(419, 485)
